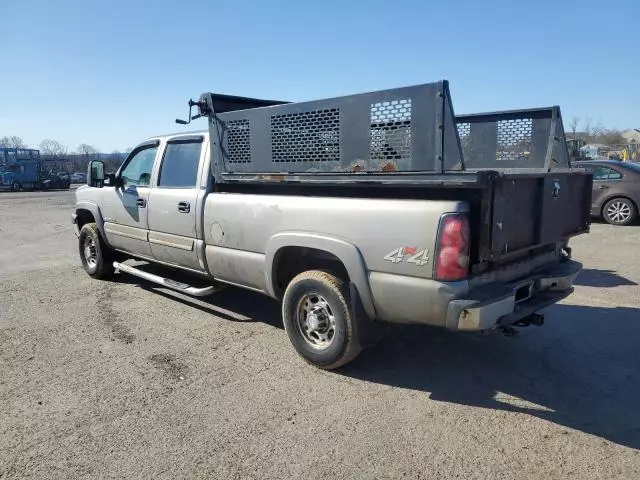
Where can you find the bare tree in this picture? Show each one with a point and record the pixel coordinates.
(52, 148)
(115, 160)
(575, 121)
(592, 131)
(12, 142)
(610, 137)
(86, 150)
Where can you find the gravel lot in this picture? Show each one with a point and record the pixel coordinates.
(124, 380)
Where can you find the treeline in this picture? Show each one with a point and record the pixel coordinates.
(63, 159)
(594, 132)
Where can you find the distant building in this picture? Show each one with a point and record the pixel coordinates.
(632, 135)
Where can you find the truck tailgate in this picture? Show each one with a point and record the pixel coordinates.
(531, 211)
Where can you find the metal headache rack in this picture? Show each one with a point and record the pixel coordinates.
(388, 136)
(518, 139)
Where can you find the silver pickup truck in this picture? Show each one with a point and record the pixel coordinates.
(353, 212)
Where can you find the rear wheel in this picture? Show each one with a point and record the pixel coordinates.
(619, 211)
(96, 257)
(318, 321)
(16, 187)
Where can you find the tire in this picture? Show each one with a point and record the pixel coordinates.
(324, 332)
(16, 187)
(619, 211)
(96, 257)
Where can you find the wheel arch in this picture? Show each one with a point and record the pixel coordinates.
(346, 253)
(87, 212)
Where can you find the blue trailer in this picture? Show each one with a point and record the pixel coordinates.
(22, 168)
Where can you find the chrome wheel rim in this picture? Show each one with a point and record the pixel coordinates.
(90, 253)
(315, 321)
(619, 212)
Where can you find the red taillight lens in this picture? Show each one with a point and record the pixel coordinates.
(452, 254)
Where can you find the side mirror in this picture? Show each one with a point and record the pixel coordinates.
(110, 180)
(95, 174)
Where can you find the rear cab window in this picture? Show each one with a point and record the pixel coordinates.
(180, 163)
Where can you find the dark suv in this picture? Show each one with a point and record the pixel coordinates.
(616, 190)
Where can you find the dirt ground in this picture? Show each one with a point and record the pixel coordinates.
(120, 379)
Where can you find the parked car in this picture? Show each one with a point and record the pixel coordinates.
(616, 190)
(78, 177)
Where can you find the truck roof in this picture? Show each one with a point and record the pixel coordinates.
(204, 133)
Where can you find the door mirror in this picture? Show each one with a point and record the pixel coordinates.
(95, 174)
(110, 180)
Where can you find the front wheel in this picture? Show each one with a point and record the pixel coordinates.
(16, 187)
(96, 257)
(318, 321)
(619, 211)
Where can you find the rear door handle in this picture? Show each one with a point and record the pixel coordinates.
(184, 207)
(604, 187)
(141, 202)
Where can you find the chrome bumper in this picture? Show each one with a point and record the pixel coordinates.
(504, 304)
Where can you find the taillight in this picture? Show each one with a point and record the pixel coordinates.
(452, 251)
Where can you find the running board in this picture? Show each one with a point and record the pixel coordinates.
(166, 282)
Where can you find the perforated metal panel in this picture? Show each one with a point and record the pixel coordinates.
(464, 133)
(391, 130)
(514, 139)
(312, 136)
(238, 141)
(386, 131)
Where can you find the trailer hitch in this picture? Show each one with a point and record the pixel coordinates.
(201, 107)
(536, 319)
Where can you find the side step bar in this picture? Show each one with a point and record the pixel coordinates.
(166, 282)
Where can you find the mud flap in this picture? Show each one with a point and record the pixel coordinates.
(368, 331)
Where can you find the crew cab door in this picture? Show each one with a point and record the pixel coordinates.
(175, 203)
(124, 208)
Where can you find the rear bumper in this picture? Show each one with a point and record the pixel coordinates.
(495, 304)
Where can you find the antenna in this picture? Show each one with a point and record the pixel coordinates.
(200, 105)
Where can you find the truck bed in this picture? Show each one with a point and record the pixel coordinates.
(511, 167)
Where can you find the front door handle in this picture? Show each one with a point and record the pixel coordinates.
(184, 207)
(141, 202)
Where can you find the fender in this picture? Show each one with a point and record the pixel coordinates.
(346, 252)
(95, 211)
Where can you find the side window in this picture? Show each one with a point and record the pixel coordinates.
(179, 167)
(137, 171)
(601, 173)
(614, 174)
